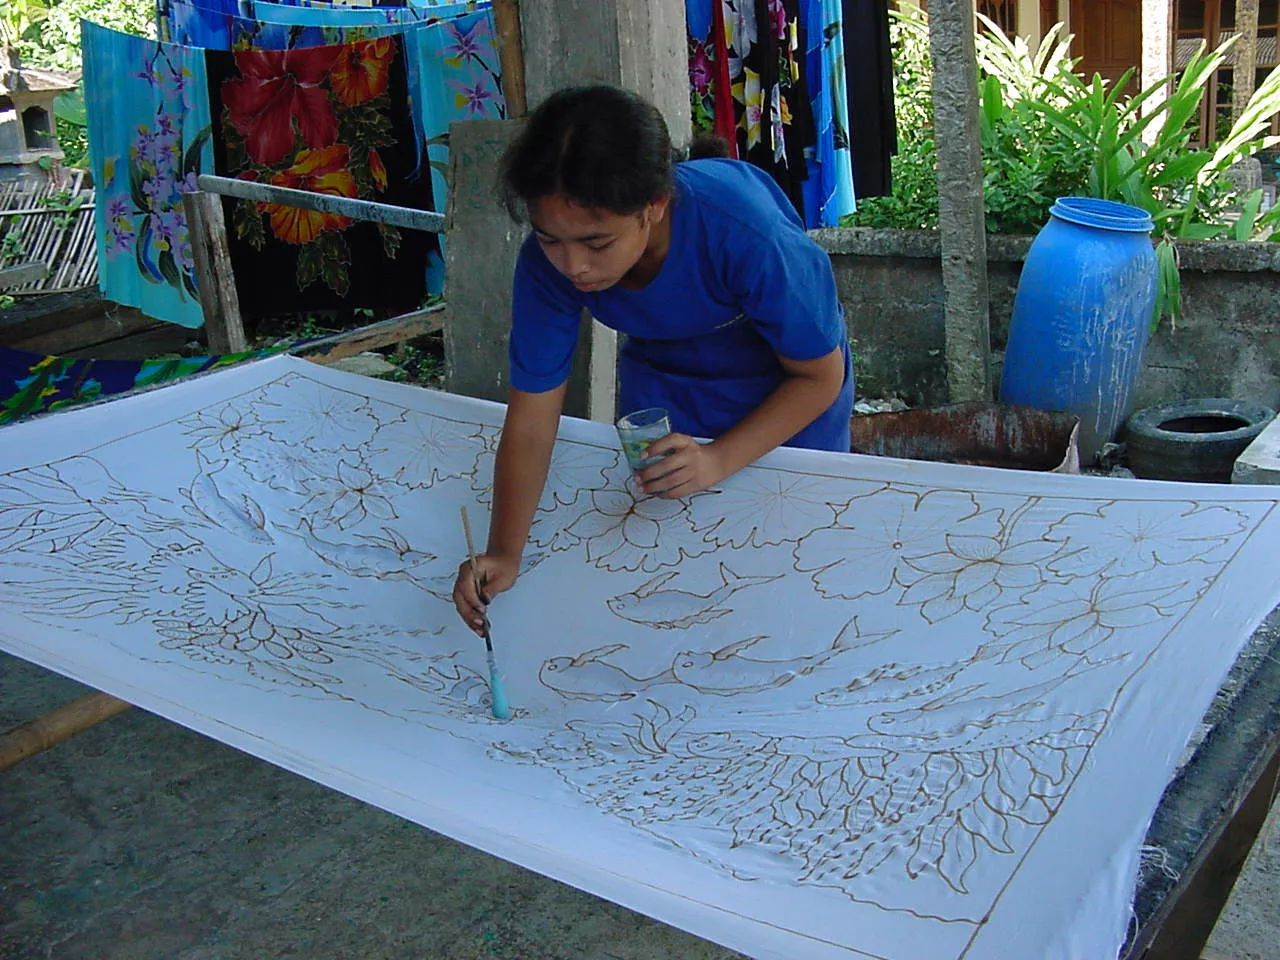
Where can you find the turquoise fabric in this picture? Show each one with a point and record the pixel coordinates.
(828, 193)
(331, 16)
(459, 78)
(149, 129)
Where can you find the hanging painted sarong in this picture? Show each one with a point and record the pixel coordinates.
(828, 192)
(331, 16)
(459, 78)
(32, 383)
(333, 120)
(838, 707)
(196, 25)
(149, 136)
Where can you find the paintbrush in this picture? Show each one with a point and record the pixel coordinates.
(497, 693)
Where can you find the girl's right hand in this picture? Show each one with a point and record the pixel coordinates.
(496, 574)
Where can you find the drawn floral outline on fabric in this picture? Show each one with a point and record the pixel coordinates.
(144, 214)
(311, 119)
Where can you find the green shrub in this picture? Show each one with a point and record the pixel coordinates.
(1049, 132)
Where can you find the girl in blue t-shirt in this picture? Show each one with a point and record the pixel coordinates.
(730, 310)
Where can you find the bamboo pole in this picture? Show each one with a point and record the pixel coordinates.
(56, 726)
(506, 21)
(406, 217)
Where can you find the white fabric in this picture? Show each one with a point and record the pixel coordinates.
(843, 707)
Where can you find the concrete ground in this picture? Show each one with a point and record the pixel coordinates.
(1249, 928)
(140, 840)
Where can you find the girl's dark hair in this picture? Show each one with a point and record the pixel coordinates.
(597, 146)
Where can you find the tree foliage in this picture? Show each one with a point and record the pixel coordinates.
(47, 32)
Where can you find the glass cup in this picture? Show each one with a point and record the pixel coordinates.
(638, 430)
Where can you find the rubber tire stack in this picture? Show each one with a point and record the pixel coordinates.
(1178, 441)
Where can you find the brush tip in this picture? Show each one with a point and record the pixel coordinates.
(498, 696)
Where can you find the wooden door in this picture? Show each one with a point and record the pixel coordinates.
(1108, 36)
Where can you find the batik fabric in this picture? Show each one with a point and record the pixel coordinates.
(344, 129)
(32, 383)
(149, 137)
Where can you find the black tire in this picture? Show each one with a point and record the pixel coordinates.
(1197, 440)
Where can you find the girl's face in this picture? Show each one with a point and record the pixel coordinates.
(596, 248)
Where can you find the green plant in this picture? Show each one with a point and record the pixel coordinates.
(19, 17)
(12, 246)
(72, 127)
(66, 204)
(1139, 153)
(1049, 132)
(913, 204)
(57, 42)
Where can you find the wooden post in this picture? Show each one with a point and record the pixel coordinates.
(961, 218)
(218, 299)
(57, 725)
(506, 20)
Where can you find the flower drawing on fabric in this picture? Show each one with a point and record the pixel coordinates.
(219, 432)
(377, 170)
(475, 95)
(1074, 618)
(142, 209)
(419, 451)
(623, 532)
(700, 70)
(768, 507)
(320, 171)
(575, 468)
(300, 412)
(752, 97)
(780, 116)
(348, 496)
(362, 70)
(120, 230)
(281, 466)
(1132, 536)
(740, 25)
(470, 41)
(778, 19)
(312, 119)
(277, 94)
(974, 572)
(866, 552)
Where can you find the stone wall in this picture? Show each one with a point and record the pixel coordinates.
(1227, 343)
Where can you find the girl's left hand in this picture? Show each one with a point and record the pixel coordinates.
(688, 468)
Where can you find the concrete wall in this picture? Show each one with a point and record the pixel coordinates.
(1227, 343)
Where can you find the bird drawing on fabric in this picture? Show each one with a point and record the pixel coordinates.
(589, 676)
(726, 671)
(952, 715)
(651, 606)
(238, 513)
(388, 557)
(891, 682)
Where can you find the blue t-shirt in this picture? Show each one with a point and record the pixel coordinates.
(741, 284)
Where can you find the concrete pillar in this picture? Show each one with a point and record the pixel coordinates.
(1244, 56)
(1157, 54)
(960, 208)
(481, 243)
(636, 44)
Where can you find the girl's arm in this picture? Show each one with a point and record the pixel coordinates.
(811, 386)
(519, 474)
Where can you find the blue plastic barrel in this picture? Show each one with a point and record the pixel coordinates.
(1081, 316)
